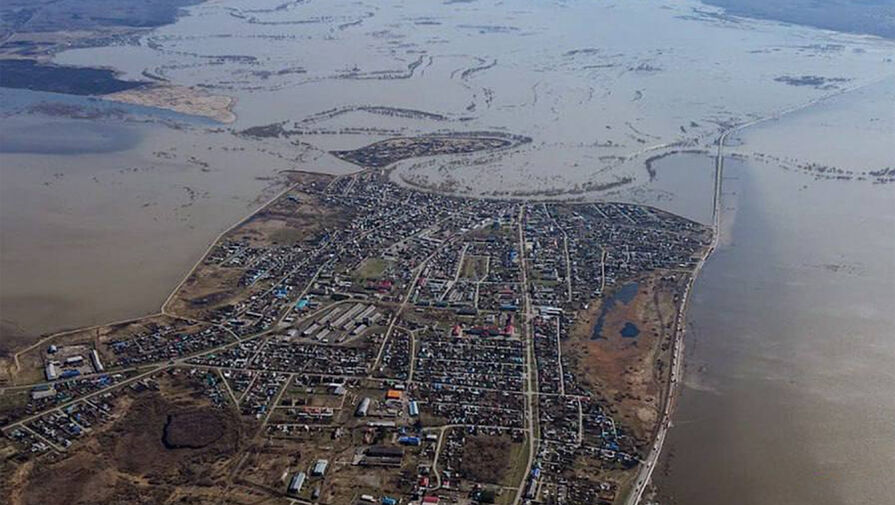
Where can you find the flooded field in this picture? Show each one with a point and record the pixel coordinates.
(99, 220)
(597, 104)
(788, 390)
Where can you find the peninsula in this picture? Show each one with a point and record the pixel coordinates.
(355, 340)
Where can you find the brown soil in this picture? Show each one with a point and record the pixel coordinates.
(72, 480)
(629, 373)
(486, 458)
(179, 99)
(132, 463)
(193, 429)
(136, 444)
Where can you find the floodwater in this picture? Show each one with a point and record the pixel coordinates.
(624, 295)
(40, 136)
(99, 220)
(788, 395)
(790, 352)
(105, 231)
(683, 185)
(596, 101)
(630, 330)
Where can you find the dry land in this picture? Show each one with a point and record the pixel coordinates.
(386, 152)
(179, 99)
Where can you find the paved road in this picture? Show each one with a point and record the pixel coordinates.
(531, 384)
(677, 358)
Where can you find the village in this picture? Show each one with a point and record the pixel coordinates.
(375, 344)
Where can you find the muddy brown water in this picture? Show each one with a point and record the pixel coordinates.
(790, 355)
(790, 352)
(100, 221)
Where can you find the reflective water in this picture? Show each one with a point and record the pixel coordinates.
(790, 358)
(624, 295)
(596, 101)
(100, 219)
(790, 355)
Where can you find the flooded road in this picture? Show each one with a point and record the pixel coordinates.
(789, 359)
(788, 395)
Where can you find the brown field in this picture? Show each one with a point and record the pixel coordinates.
(160, 444)
(343, 481)
(629, 372)
(490, 459)
(485, 458)
(272, 463)
(12, 405)
(474, 267)
(186, 100)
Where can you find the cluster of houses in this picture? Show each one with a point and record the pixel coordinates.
(441, 304)
(162, 342)
(63, 421)
(67, 411)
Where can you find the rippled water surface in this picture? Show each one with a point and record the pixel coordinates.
(788, 396)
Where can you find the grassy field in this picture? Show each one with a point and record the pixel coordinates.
(371, 269)
(474, 267)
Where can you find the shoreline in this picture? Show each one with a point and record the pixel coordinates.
(211, 327)
(181, 99)
(643, 480)
(40, 339)
(644, 477)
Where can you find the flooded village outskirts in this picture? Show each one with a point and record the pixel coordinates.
(358, 340)
(294, 252)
